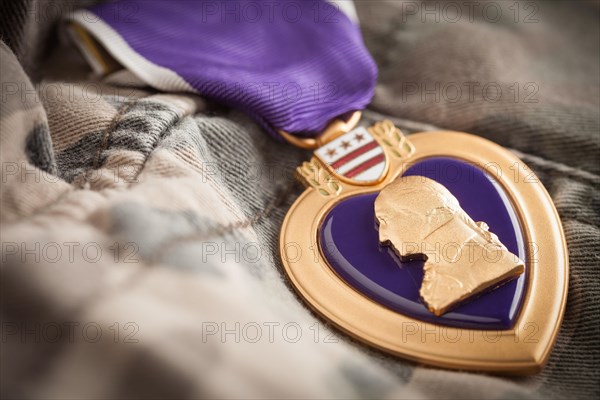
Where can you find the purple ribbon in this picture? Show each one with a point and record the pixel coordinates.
(290, 64)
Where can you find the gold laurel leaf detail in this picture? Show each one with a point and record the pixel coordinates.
(312, 174)
(392, 138)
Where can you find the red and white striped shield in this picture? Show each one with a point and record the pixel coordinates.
(356, 156)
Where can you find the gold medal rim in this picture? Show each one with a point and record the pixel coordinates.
(514, 351)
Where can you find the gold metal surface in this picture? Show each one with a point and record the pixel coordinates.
(334, 129)
(420, 219)
(396, 144)
(312, 173)
(521, 350)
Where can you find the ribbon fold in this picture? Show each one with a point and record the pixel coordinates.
(291, 64)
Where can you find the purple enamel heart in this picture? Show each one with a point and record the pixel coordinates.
(349, 240)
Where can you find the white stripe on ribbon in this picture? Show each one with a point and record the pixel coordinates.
(153, 75)
(348, 8)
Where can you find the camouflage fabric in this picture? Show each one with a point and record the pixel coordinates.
(140, 229)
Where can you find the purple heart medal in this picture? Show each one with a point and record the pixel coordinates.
(429, 246)
(434, 246)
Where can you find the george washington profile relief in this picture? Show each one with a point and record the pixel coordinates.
(420, 219)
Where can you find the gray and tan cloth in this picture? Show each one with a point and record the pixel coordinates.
(140, 229)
